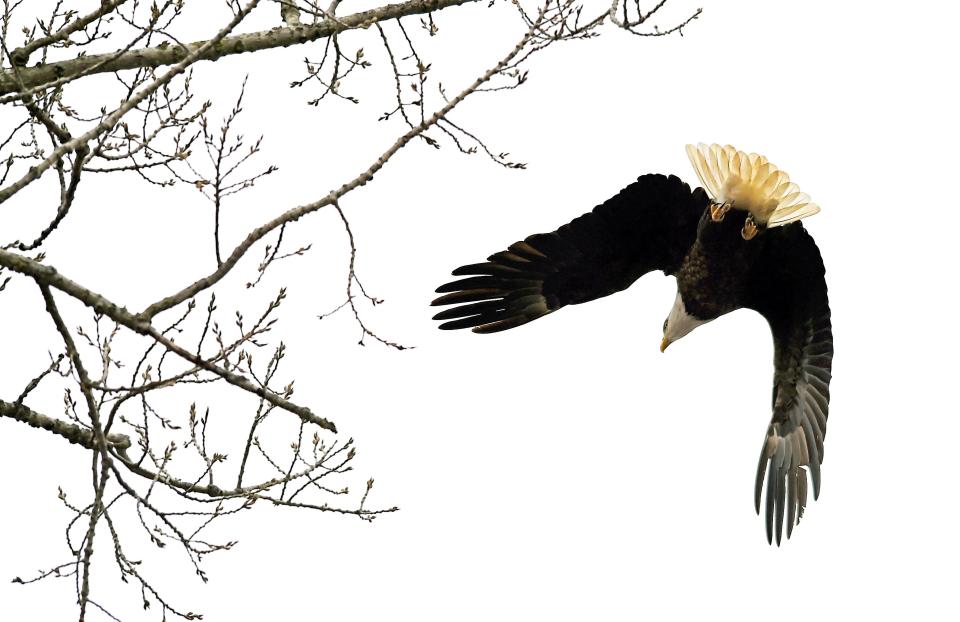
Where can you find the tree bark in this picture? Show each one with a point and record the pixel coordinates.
(166, 54)
(70, 431)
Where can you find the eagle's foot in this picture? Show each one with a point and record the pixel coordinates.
(750, 229)
(719, 210)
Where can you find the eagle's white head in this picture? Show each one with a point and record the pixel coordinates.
(679, 323)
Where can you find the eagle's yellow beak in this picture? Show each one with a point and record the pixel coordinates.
(664, 344)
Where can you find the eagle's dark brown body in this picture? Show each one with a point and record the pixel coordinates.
(716, 268)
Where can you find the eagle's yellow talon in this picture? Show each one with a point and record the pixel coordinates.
(718, 211)
(750, 229)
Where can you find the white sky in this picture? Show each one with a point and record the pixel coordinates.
(566, 470)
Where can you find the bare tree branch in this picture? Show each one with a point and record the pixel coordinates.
(70, 431)
(357, 182)
(21, 55)
(49, 277)
(111, 119)
(214, 49)
(289, 12)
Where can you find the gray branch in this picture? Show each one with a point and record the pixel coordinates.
(110, 120)
(166, 54)
(298, 212)
(76, 434)
(21, 55)
(48, 276)
(289, 13)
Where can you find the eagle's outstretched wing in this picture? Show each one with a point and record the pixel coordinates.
(789, 290)
(648, 226)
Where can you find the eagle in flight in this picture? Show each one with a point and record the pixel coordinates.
(734, 243)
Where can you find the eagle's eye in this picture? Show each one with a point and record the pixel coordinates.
(665, 324)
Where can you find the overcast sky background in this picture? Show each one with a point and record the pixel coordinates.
(566, 470)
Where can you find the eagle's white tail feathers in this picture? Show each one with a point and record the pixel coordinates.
(750, 182)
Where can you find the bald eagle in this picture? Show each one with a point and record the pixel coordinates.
(734, 243)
